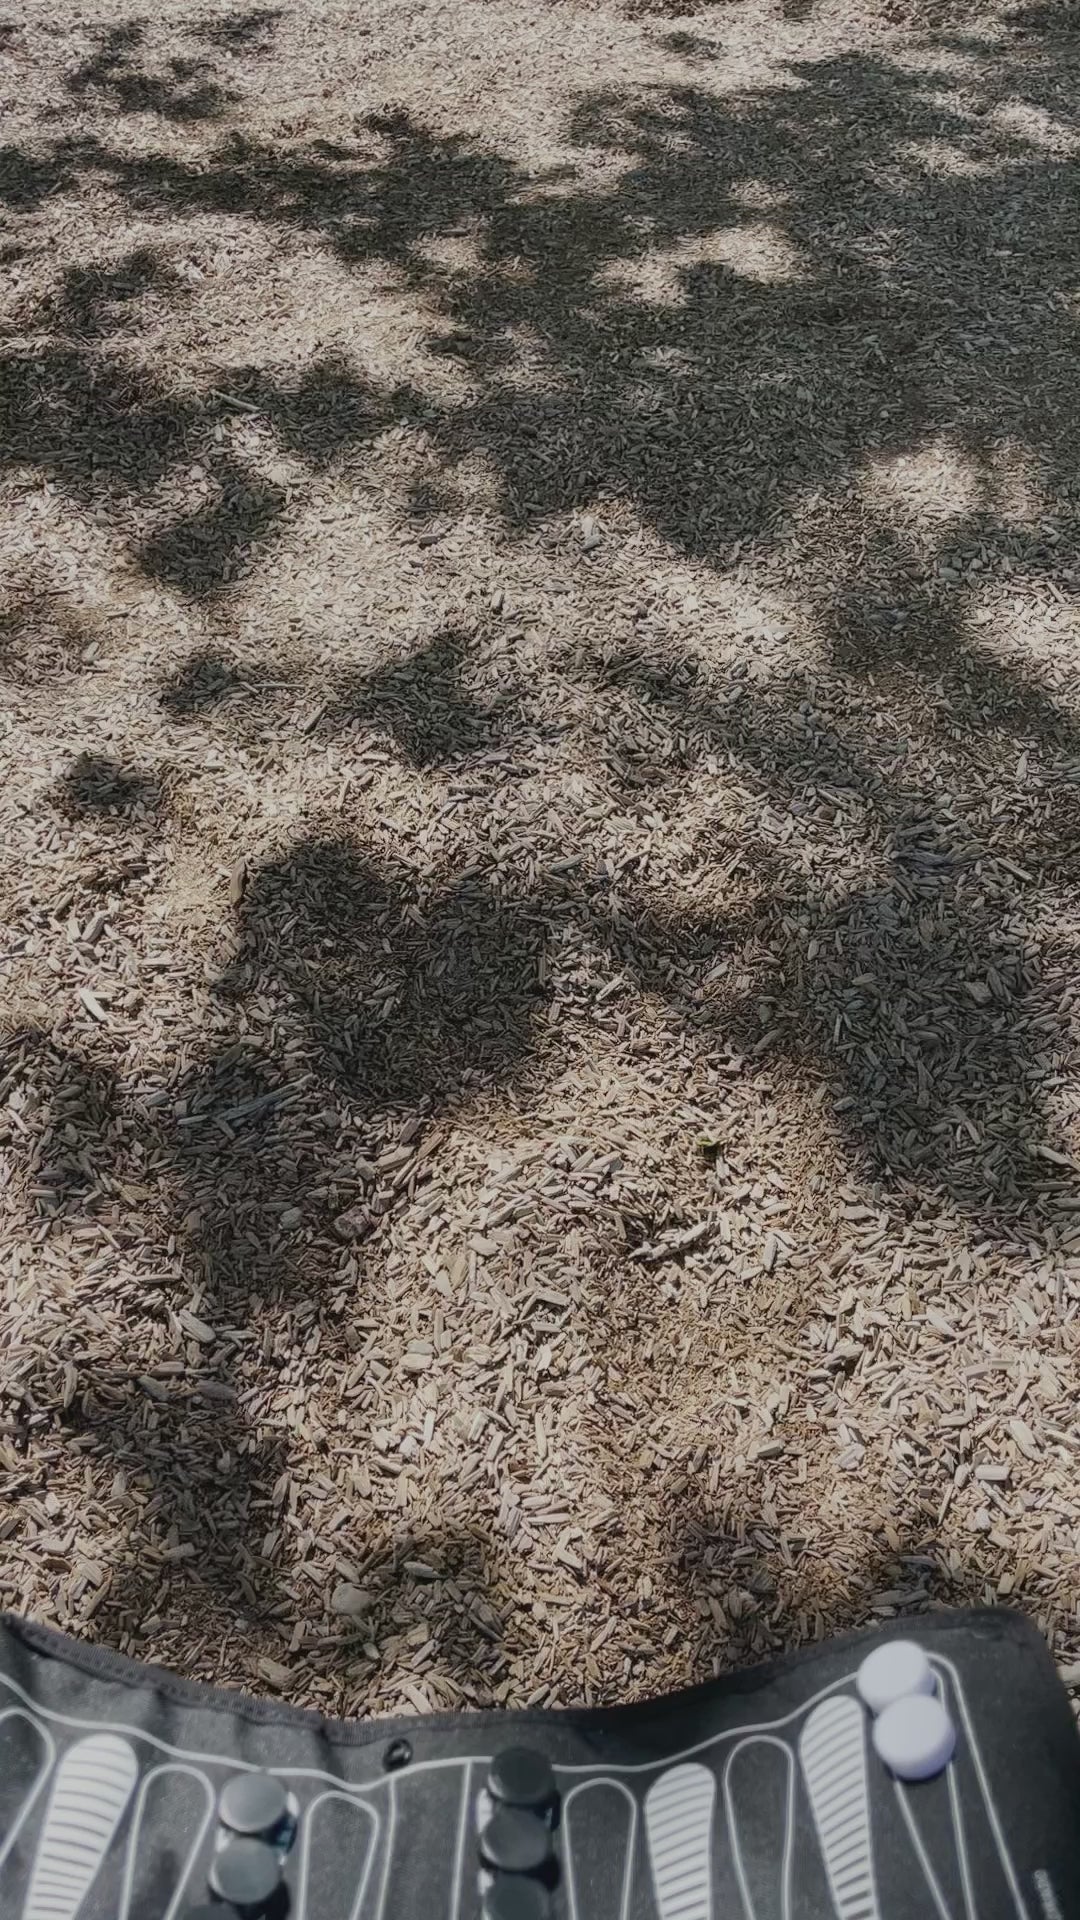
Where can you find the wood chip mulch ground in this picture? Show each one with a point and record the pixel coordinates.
(539, 926)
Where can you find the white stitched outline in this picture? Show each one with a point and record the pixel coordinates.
(959, 1831)
(762, 1740)
(159, 1773)
(833, 1761)
(938, 1660)
(462, 1833)
(360, 1806)
(961, 1846)
(17, 1713)
(389, 1854)
(91, 1789)
(630, 1769)
(575, 1793)
(936, 1894)
(417, 1766)
(679, 1809)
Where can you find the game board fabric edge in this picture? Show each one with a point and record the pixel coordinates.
(103, 1664)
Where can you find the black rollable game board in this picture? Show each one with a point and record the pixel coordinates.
(926, 1771)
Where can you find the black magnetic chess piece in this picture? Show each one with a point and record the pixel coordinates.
(256, 1806)
(520, 1810)
(247, 1875)
(516, 1840)
(521, 1777)
(214, 1910)
(512, 1896)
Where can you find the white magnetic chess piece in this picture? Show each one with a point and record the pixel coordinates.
(915, 1737)
(893, 1671)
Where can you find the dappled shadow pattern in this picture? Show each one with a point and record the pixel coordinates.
(107, 427)
(394, 992)
(206, 549)
(749, 328)
(95, 301)
(423, 702)
(726, 1545)
(247, 27)
(918, 1011)
(169, 1424)
(325, 410)
(185, 91)
(426, 704)
(40, 637)
(97, 786)
(916, 995)
(726, 337)
(1057, 17)
(205, 681)
(399, 991)
(27, 180)
(695, 47)
(104, 425)
(407, 993)
(720, 405)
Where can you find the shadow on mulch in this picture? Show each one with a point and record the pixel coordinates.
(183, 92)
(398, 1567)
(719, 415)
(423, 702)
(27, 180)
(695, 47)
(406, 991)
(392, 997)
(94, 785)
(40, 637)
(413, 995)
(212, 1521)
(906, 996)
(185, 87)
(95, 301)
(775, 388)
(206, 680)
(246, 28)
(426, 706)
(909, 997)
(760, 1587)
(207, 549)
(199, 1480)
